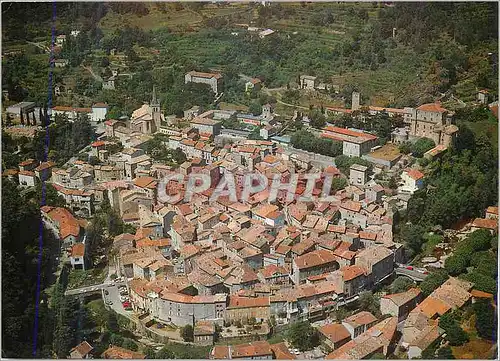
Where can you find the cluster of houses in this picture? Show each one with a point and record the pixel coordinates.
(207, 263)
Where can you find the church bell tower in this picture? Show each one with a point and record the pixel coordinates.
(155, 110)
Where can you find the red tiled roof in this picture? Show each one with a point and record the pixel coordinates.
(485, 223)
(432, 107)
(351, 272)
(415, 174)
(251, 350)
(281, 352)
(360, 318)
(68, 225)
(205, 75)
(120, 353)
(335, 332)
(492, 210)
(314, 259)
(349, 132)
(248, 302)
(78, 250)
(83, 348)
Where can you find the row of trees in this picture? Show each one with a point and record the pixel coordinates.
(303, 139)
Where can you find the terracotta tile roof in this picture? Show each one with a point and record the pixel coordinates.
(432, 107)
(72, 109)
(492, 210)
(27, 162)
(337, 229)
(68, 225)
(281, 352)
(351, 272)
(351, 206)
(349, 132)
(144, 182)
(147, 242)
(221, 353)
(272, 270)
(335, 332)
(116, 352)
(248, 302)
(83, 349)
(45, 165)
(368, 235)
(415, 174)
(9, 172)
(432, 306)
(303, 247)
(314, 259)
(251, 350)
(200, 74)
(404, 297)
(485, 223)
(360, 319)
(480, 294)
(78, 250)
(98, 143)
(27, 173)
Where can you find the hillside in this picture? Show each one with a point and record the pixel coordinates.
(345, 44)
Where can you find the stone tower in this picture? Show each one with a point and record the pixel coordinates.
(155, 111)
(355, 101)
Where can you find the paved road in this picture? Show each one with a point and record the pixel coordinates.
(90, 289)
(418, 276)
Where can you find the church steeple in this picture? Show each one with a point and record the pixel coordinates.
(156, 111)
(154, 101)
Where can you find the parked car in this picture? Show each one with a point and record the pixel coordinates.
(109, 302)
(106, 292)
(409, 268)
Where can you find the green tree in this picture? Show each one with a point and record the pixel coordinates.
(445, 353)
(165, 353)
(338, 183)
(486, 320)
(303, 336)
(456, 263)
(421, 146)
(412, 236)
(405, 148)
(255, 108)
(401, 284)
(112, 323)
(433, 281)
(130, 344)
(187, 333)
(368, 302)
(149, 352)
(318, 119)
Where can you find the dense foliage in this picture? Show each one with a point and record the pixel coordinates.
(64, 139)
(344, 163)
(307, 141)
(20, 246)
(454, 333)
(303, 336)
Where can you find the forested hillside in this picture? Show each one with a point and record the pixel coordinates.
(437, 47)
